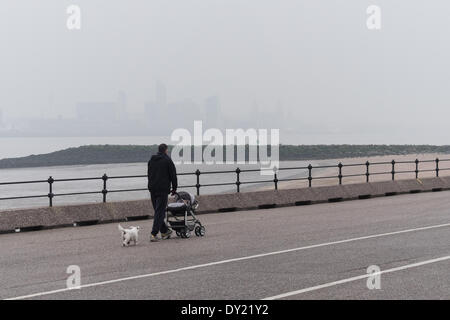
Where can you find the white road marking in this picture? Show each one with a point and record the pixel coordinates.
(335, 283)
(148, 275)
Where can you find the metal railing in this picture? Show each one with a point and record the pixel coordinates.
(436, 169)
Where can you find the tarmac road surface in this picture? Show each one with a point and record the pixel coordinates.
(320, 251)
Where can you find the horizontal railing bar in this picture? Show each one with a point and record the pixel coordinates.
(127, 190)
(405, 162)
(229, 171)
(128, 177)
(354, 175)
(23, 182)
(381, 163)
(262, 181)
(353, 165)
(218, 184)
(379, 173)
(292, 179)
(326, 167)
(145, 176)
(75, 193)
(76, 179)
(217, 172)
(326, 177)
(187, 186)
(254, 170)
(293, 168)
(24, 197)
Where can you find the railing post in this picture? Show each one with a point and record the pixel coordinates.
(238, 181)
(50, 191)
(417, 168)
(310, 175)
(367, 171)
(275, 177)
(437, 167)
(197, 185)
(105, 190)
(393, 170)
(340, 172)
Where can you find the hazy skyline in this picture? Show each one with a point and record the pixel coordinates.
(315, 58)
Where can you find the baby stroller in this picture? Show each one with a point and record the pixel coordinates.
(182, 217)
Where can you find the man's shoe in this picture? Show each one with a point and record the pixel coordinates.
(166, 235)
(154, 238)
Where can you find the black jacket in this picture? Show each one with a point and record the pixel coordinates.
(161, 174)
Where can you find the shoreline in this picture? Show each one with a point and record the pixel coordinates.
(123, 154)
(321, 162)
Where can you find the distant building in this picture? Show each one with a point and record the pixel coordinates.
(96, 111)
(161, 94)
(122, 102)
(164, 117)
(105, 117)
(183, 114)
(255, 115)
(157, 113)
(102, 111)
(156, 117)
(212, 112)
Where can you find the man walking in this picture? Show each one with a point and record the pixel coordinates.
(161, 176)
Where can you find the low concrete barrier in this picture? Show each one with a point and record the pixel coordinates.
(40, 218)
(435, 184)
(73, 215)
(130, 210)
(410, 186)
(360, 190)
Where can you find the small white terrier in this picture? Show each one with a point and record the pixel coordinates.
(129, 235)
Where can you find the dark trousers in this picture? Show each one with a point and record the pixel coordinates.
(159, 202)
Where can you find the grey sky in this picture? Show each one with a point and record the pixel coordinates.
(315, 57)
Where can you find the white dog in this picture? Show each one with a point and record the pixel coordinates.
(129, 235)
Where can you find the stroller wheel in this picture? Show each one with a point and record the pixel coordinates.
(187, 233)
(199, 231)
(178, 233)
